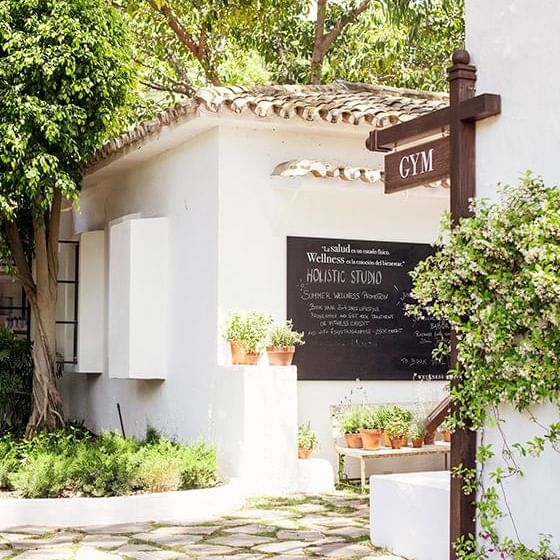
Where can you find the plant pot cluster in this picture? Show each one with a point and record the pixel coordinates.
(249, 334)
(383, 426)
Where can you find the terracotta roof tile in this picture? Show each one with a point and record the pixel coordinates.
(340, 102)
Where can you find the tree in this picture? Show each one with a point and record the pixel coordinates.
(66, 70)
(184, 44)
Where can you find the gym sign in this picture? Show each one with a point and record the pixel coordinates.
(417, 166)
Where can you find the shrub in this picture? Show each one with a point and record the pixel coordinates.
(106, 466)
(159, 467)
(307, 439)
(43, 475)
(8, 462)
(250, 329)
(351, 421)
(371, 419)
(198, 466)
(283, 334)
(397, 428)
(16, 378)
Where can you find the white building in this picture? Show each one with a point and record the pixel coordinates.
(184, 219)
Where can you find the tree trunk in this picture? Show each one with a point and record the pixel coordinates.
(318, 55)
(46, 412)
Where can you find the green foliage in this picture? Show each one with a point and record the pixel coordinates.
(283, 334)
(399, 43)
(307, 439)
(74, 462)
(417, 429)
(250, 329)
(105, 466)
(495, 278)
(351, 420)
(16, 375)
(397, 428)
(65, 74)
(371, 419)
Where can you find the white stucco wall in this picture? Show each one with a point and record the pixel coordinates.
(515, 44)
(252, 263)
(228, 221)
(182, 186)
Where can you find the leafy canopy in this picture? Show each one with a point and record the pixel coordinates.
(66, 71)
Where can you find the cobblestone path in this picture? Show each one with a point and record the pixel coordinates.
(295, 528)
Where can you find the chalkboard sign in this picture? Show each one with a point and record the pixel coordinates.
(349, 298)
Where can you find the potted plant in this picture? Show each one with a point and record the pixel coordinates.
(350, 425)
(397, 429)
(395, 412)
(247, 334)
(283, 342)
(417, 433)
(371, 431)
(307, 441)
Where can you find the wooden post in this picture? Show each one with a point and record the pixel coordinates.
(462, 79)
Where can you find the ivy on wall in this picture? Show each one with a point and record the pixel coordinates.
(496, 278)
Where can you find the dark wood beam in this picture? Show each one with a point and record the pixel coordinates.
(480, 107)
(462, 137)
(438, 415)
(385, 139)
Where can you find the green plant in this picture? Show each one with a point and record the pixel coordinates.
(494, 278)
(198, 466)
(16, 377)
(9, 463)
(384, 414)
(283, 334)
(250, 329)
(396, 412)
(307, 439)
(371, 420)
(106, 466)
(351, 420)
(418, 429)
(43, 475)
(397, 428)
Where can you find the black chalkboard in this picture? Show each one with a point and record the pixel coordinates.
(349, 298)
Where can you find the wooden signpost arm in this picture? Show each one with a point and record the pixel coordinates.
(462, 79)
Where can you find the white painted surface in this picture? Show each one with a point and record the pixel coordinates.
(228, 222)
(409, 514)
(91, 302)
(515, 44)
(188, 505)
(138, 298)
(255, 427)
(315, 476)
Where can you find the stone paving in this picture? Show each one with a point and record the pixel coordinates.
(295, 528)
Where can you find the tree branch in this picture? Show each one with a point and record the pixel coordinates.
(323, 41)
(23, 271)
(197, 48)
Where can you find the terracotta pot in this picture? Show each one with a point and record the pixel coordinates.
(353, 440)
(252, 358)
(371, 439)
(418, 442)
(429, 438)
(237, 352)
(280, 355)
(397, 443)
(304, 453)
(447, 436)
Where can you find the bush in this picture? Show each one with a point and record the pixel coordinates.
(106, 466)
(16, 378)
(74, 461)
(44, 475)
(351, 421)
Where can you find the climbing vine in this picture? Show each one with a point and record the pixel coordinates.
(495, 278)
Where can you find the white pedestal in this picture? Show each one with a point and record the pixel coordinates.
(255, 427)
(315, 476)
(409, 514)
